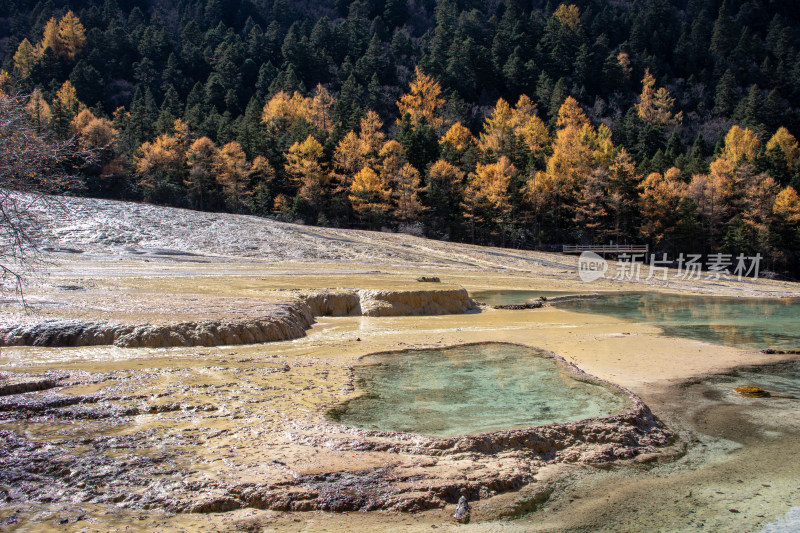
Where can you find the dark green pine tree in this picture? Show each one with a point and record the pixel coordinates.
(372, 62)
(557, 98)
(348, 109)
(543, 91)
(726, 95)
(266, 75)
(140, 124)
(673, 150)
(375, 100)
(287, 81)
(724, 36)
(172, 76)
(170, 110)
(88, 83)
(753, 111)
(251, 132)
(774, 111)
(395, 12)
(420, 142)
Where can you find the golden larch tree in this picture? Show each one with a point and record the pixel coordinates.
(572, 157)
(708, 191)
(316, 110)
(392, 158)
(568, 15)
(591, 205)
(370, 134)
(96, 134)
(459, 147)
(231, 169)
(660, 199)
(304, 165)
(623, 192)
(445, 189)
(281, 206)
(64, 108)
(320, 108)
(507, 129)
(740, 145)
(571, 115)
(369, 196)
(527, 125)
(71, 35)
(159, 161)
(787, 205)
(289, 109)
(67, 98)
(357, 150)
(405, 193)
(39, 110)
(655, 105)
(756, 206)
(81, 120)
(446, 177)
(261, 178)
(349, 157)
(785, 143)
(458, 137)
(200, 180)
(486, 196)
(24, 58)
(423, 100)
(50, 38)
(498, 130)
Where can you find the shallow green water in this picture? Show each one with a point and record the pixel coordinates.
(781, 378)
(469, 389)
(742, 322)
(513, 297)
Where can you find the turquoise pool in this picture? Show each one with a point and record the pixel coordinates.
(470, 389)
(742, 322)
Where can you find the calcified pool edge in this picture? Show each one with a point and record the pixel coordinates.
(590, 441)
(285, 316)
(416, 472)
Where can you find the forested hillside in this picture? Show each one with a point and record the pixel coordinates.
(519, 123)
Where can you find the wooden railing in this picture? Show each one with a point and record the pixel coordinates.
(606, 248)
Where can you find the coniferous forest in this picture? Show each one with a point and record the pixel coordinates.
(516, 123)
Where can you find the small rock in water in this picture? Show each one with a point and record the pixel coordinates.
(462, 510)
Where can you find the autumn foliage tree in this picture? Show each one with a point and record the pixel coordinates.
(305, 166)
(486, 197)
(571, 161)
(231, 168)
(370, 197)
(161, 164)
(656, 105)
(199, 182)
(423, 102)
(661, 197)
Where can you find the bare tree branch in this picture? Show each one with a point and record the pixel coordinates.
(33, 167)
